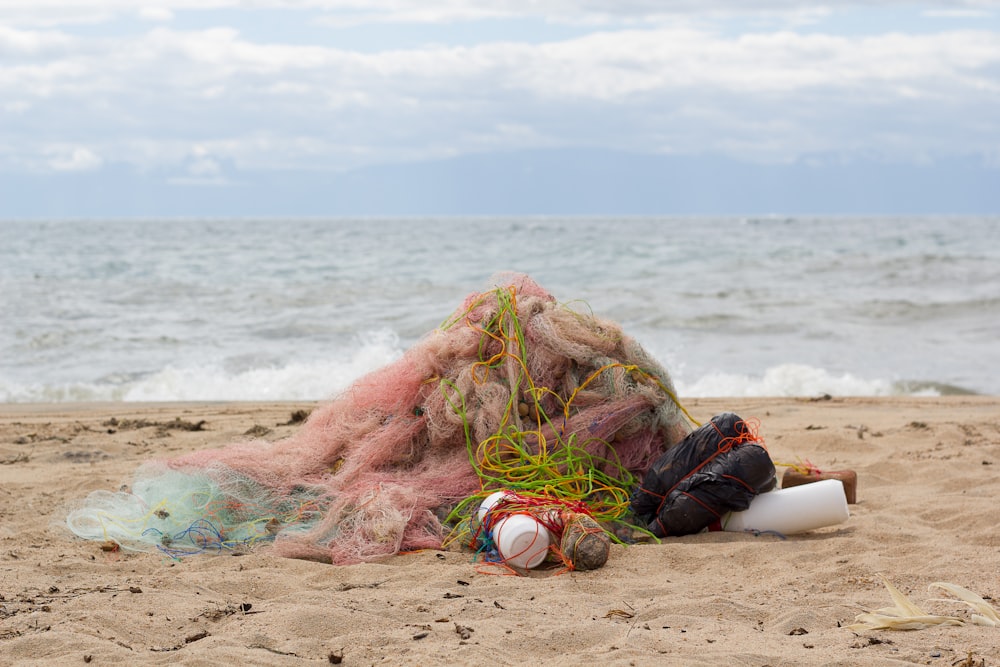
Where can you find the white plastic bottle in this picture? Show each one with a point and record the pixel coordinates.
(521, 540)
(797, 509)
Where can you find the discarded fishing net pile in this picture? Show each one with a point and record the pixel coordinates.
(512, 391)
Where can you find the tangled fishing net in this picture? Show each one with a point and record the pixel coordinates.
(513, 391)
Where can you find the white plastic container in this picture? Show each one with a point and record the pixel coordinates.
(797, 509)
(521, 540)
(488, 503)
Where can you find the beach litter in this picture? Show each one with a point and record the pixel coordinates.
(526, 531)
(807, 473)
(513, 392)
(797, 509)
(717, 469)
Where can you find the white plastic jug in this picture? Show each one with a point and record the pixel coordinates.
(797, 509)
(521, 540)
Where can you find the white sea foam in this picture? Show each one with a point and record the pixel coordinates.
(324, 379)
(313, 380)
(785, 380)
(67, 392)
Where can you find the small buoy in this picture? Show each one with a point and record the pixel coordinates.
(520, 539)
(584, 543)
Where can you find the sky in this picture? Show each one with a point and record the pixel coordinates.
(386, 107)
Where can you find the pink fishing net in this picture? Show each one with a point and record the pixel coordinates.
(512, 376)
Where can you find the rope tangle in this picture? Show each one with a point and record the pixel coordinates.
(548, 471)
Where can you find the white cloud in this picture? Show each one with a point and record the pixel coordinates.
(356, 12)
(72, 158)
(955, 13)
(16, 43)
(16, 106)
(158, 14)
(765, 96)
(202, 165)
(594, 13)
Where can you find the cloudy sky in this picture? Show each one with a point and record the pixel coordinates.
(211, 101)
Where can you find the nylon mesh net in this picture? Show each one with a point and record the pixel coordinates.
(513, 390)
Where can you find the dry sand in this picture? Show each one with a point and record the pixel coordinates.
(927, 511)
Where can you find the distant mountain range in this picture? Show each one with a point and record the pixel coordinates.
(550, 182)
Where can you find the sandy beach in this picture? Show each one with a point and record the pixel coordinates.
(926, 512)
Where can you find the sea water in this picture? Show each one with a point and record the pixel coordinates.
(296, 309)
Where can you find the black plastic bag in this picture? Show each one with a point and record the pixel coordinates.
(718, 468)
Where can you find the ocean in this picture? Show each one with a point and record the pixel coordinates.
(296, 309)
